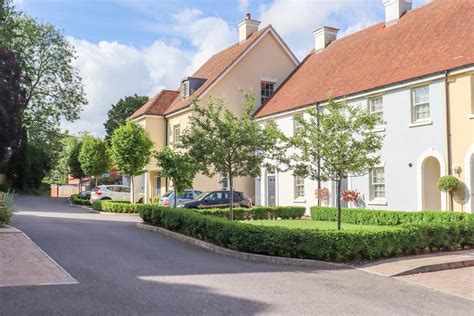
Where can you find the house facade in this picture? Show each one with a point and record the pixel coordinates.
(414, 71)
(259, 62)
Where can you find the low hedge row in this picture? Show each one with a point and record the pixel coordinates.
(327, 245)
(390, 218)
(115, 206)
(77, 199)
(258, 212)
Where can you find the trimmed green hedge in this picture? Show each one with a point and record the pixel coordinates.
(390, 218)
(115, 206)
(77, 199)
(258, 212)
(327, 245)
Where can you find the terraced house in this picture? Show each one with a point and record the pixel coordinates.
(416, 71)
(259, 62)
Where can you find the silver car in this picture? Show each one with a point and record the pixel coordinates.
(167, 199)
(114, 192)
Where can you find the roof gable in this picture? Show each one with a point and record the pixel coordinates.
(156, 105)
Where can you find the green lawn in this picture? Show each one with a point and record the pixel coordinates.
(310, 224)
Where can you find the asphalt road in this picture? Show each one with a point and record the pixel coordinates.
(124, 270)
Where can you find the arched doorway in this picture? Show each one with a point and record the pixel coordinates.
(430, 172)
(469, 179)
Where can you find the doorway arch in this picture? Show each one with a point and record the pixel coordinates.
(469, 179)
(430, 168)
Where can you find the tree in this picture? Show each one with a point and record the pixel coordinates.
(336, 142)
(122, 110)
(178, 167)
(93, 156)
(220, 142)
(130, 151)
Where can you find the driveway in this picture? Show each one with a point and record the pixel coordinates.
(124, 270)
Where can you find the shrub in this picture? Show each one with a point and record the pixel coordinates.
(6, 207)
(258, 212)
(448, 183)
(155, 199)
(79, 200)
(324, 245)
(376, 217)
(115, 206)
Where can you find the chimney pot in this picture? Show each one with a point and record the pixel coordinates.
(247, 27)
(323, 37)
(394, 9)
(248, 16)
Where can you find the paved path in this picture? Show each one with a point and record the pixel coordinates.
(124, 270)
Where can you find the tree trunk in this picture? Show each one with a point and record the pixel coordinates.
(132, 190)
(231, 186)
(339, 204)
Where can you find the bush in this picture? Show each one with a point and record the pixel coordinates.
(6, 207)
(375, 217)
(79, 200)
(258, 212)
(448, 183)
(115, 206)
(327, 245)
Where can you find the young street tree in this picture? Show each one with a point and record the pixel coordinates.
(219, 142)
(93, 156)
(130, 151)
(336, 142)
(73, 163)
(178, 167)
(120, 111)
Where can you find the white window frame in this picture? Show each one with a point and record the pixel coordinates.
(266, 97)
(177, 135)
(374, 184)
(378, 112)
(415, 105)
(297, 125)
(299, 187)
(185, 89)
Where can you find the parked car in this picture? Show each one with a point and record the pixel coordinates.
(85, 195)
(114, 192)
(168, 198)
(218, 199)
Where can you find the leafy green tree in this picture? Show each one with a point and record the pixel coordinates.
(335, 142)
(93, 156)
(178, 167)
(122, 110)
(130, 151)
(220, 142)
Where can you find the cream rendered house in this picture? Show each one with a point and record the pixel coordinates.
(259, 62)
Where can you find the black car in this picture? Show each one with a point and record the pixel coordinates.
(217, 199)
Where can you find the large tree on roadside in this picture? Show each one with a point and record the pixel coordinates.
(122, 110)
(220, 142)
(93, 156)
(335, 142)
(178, 167)
(130, 151)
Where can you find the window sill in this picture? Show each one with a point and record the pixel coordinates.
(421, 123)
(299, 200)
(470, 116)
(377, 202)
(379, 129)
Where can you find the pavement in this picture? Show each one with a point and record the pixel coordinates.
(124, 270)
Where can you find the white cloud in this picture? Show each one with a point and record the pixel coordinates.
(243, 4)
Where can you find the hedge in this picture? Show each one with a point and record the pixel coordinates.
(258, 212)
(327, 245)
(77, 199)
(115, 206)
(6, 207)
(390, 218)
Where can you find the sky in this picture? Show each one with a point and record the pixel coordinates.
(125, 47)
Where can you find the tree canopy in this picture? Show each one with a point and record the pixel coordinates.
(93, 156)
(122, 110)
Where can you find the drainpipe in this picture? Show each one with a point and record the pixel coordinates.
(448, 134)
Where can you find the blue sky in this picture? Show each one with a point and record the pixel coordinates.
(142, 46)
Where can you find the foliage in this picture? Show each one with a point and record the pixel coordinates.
(220, 142)
(351, 196)
(73, 163)
(448, 183)
(335, 142)
(155, 199)
(120, 111)
(310, 224)
(322, 195)
(67, 162)
(77, 199)
(327, 245)
(178, 167)
(6, 207)
(93, 156)
(105, 181)
(115, 206)
(12, 97)
(375, 217)
(131, 149)
(258, 212)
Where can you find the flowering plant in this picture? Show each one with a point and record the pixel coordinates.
(350, 196)
(322, 194)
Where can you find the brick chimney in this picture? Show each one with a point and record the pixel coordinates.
(394, 9)
(247, 27)
(323, 37)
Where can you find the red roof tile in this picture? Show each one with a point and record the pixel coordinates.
(433, 38)
(157, 105)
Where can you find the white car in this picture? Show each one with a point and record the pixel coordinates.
(114, 192)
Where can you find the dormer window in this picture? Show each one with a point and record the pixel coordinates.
(266, 90)
(189, 85)
(185, 89)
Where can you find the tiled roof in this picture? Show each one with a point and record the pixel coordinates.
(157, 105)
(214, 67)
(433, 38)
